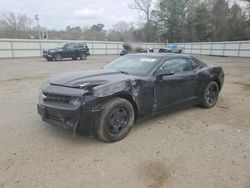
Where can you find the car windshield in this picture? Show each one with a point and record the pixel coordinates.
(60, 45)
(134, 64)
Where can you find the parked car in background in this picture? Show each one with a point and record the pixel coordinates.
(172, 48)
(106, 102)
(69, 50)
(130, 48)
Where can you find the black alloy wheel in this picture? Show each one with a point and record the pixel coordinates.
(118, 120)
(211, 95)
(58, 57)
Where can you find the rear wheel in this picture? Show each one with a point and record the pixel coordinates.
(74, 58)
(58, 57)
(83, 56)
(210, 95)
(116, 120)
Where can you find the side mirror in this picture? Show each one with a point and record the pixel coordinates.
(164, 72)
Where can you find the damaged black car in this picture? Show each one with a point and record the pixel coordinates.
(107, 102)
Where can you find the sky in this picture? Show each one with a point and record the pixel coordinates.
(57, 14)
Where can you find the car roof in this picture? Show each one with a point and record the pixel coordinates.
(75, 43)
(161, 55)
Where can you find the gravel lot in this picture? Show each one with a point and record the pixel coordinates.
(194, 147)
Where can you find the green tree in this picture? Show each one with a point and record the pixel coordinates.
(237, 24)
(171, 16)
(98, 27)
(219, 16)
(95, 32)
(198, 24)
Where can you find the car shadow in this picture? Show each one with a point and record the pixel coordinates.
(158, 118)
(60, 133)
(56, 132)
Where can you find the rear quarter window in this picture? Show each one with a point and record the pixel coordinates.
(80, 45)
(201, 64)
(193, 63)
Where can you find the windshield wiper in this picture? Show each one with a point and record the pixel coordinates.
(123, 72)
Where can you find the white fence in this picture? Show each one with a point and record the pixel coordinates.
(230, 48)
(13, 48)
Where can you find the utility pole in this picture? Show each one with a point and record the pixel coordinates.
(38, 26)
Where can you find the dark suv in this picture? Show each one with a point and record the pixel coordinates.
(69, 50)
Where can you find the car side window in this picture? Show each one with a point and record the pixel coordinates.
(84, 45)
(70, 46)
(79, 45)
(193, 63)
(177, 65)
(76, 45)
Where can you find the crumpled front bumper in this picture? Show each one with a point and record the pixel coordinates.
(68, 119)
(81, 118)
(47, 56)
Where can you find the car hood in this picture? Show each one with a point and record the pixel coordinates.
(86, 79)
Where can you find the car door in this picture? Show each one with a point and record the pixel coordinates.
(178, 88)
(77, 49)
(68, 50)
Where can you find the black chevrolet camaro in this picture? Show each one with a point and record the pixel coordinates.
(107, 102)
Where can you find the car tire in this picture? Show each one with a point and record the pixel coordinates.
(210, 95)
(58, 57)
(49, 59)
(116, 120)
(74, 58)
(83, 56)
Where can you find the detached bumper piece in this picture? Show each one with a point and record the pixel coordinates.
(67, 119)
(48, 56)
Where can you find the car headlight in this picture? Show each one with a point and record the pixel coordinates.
(40, 97)
(76, 101)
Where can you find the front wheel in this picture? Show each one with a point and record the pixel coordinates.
(83, 56)
(210, 95)
(58, 57)
(49, 59)
(116, 120)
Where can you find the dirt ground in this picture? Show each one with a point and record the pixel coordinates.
(194, 147)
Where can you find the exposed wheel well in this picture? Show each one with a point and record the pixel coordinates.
(218, 82)
(131, 100)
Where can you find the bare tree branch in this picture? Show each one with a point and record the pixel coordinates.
(16, 23)
(142, 6)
